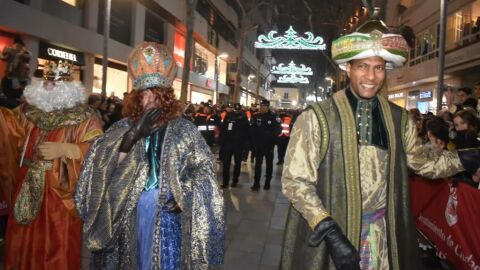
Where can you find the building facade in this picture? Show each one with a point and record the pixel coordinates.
(73, 30)
(416, 84)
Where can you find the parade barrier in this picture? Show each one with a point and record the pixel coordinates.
(450, 217)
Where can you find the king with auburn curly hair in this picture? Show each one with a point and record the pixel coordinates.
(147, 192)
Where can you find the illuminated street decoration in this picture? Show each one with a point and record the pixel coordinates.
(292, 78)
(290, 41)
(292, 69)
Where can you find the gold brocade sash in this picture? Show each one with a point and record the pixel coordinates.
(30, 198)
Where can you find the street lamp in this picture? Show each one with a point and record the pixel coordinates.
(217, 68)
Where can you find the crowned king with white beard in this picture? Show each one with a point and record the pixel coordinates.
(44, 231)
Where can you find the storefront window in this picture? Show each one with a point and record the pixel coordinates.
(117, 81)
(177, 88)
(204, 62)
(243, 99)
(75, 3)
(199, 95)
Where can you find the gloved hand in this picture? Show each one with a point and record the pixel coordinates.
(343, 253)
(143, 128)
(470, 159)
(53, 150)
(172, 207)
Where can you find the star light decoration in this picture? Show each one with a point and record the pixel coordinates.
(292, 78)
(292, 69)
(290, 41)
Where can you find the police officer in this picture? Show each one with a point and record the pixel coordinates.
(206, 124)
(284, 136)
(264, 131)
(251, 112)
(233, 135)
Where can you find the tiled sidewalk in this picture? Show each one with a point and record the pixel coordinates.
(255, 223)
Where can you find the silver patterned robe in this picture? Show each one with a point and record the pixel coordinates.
(107, 195)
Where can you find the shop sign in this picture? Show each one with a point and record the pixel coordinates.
(425, 95)
(179, 49)
(62, 54)
(395, 96)
(51, 52)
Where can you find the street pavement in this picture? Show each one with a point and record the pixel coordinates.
(255, 222)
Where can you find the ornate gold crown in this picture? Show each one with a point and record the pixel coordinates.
(151, 65)
(61, 71)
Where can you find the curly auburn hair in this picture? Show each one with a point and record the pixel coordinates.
(168, 104)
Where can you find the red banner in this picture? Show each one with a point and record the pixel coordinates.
(450, 218)
(179, 49)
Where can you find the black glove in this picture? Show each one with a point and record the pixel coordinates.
(172, 207)
(143, 128)
(470, 159)
(343, 253)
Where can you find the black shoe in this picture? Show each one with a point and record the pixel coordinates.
(255, 188)
(234, 184)
(280, 163)
(222, 186)
(266, 187)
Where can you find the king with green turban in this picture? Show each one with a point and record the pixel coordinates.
(347, 165)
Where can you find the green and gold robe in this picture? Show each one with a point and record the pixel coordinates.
(327, 172)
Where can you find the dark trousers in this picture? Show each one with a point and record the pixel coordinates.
(282, 143)
(227, 152)
(260, 152)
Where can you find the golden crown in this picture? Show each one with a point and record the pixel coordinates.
(151, 65)
(61, 71)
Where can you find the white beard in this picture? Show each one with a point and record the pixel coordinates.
(63, 95)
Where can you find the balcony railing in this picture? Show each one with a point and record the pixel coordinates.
(472, 36)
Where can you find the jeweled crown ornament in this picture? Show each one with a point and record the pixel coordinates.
(151, 65)
(57, 71)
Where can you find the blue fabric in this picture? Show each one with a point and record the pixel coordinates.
(170, 230)
(146, 211)
(171, 239)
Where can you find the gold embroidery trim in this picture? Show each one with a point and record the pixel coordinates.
(92, 134)
(314, 222)
(388, 120)
(30, 198)
(325, 135)
(352, 174)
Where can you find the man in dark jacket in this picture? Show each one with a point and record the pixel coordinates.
(264, 131)
(233, 136)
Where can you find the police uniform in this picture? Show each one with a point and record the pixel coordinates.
(265, 128)
(233, 134)
(206, 125)
(284, 137)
